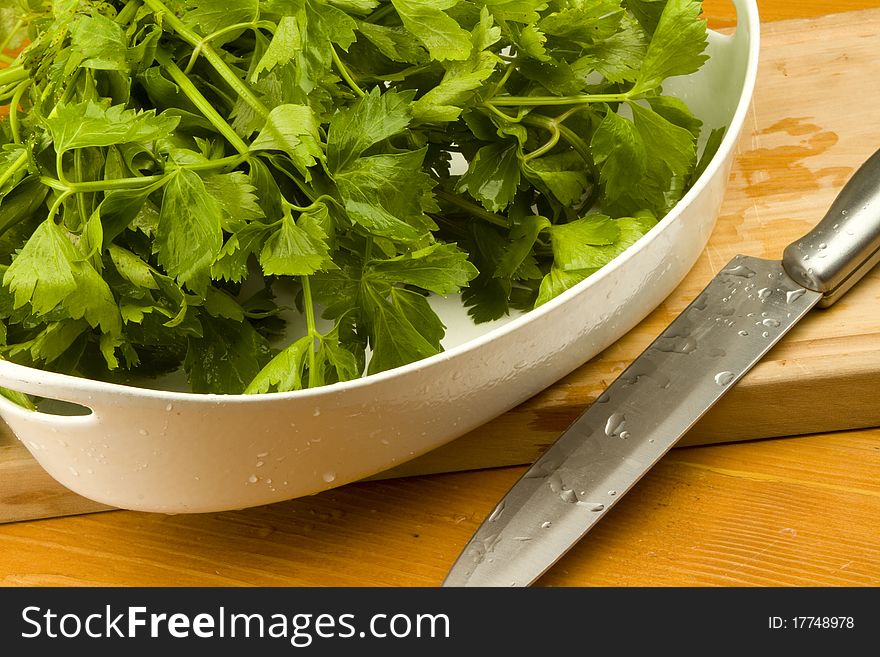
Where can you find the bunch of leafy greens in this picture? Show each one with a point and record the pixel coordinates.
(174, 175)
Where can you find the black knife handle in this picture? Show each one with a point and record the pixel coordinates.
(845, 245)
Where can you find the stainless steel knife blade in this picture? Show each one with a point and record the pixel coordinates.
(746, 309)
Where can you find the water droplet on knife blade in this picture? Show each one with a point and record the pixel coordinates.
(615, 424)
(739, 270)
(793, 295)
(772, 323)
(496, 513)
(724, 378)
(764, 293)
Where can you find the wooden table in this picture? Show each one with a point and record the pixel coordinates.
(799, 511)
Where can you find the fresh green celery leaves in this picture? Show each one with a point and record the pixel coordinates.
(89, 123)
(297, 248)
(582, 247)
(493, 176)
(226, 358)
(50, 271)
(366, 122)
(190, 234)
(462, 79)
(178, 176)
(210, 16)
(677, 45)
(442, 35)
(293, 130)
(644, 163)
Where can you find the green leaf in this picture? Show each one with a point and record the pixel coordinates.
(285, 371)
(442, 36)
(297, 248)
(522, 241)
(462, 79)
(440, 268)
(516, 11)
(677, 46)
(558, 281)
(403, 329)
(676, 112)
(586, 245)
(335, 362)
(619, 152)
(388, 195)
(646, 12)
(132, 268)
(492, 176)
(305, 37)
(50, 271)
(487, 296)
(226, 358)
(564, 175)
(571, 241)
(97, 42)
(670, 153)
(232, 263)
(395, 42)
(709, 150)
(41, 274)
(189, 236)
(88, 123)
(236, 196)
(618, 58)
(584, 23)
(364, 123)
(209, 16)
(293, 130)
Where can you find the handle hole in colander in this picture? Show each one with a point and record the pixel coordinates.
(62, 408)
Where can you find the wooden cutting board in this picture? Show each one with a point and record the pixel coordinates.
(813, 121)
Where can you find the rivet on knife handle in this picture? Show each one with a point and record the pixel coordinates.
(845, 245)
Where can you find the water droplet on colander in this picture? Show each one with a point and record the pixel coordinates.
(260, 464)
(144, 432)
(169, 407)
(328, 476)
(253, 479)
(316, 412)
(73, 471)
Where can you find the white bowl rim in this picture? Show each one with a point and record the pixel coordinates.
(747, 14)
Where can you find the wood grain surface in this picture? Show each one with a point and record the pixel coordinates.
(798, 512)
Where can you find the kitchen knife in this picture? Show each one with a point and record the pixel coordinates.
(746, 309)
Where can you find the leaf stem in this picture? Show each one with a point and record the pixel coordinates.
(13, 110)
(12, 168)
(538, 101)
(382, 12)
(12, 74)
(203, 105)
(210, 54)
(345, 73)
(310, 323)
(11, 34)
(197, 49)
(471, 208)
